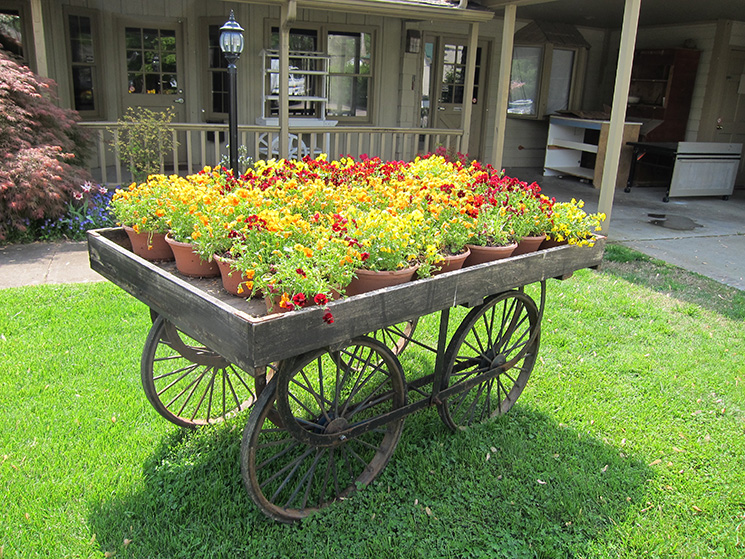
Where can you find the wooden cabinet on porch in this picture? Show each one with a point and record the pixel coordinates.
(661, 89)
(577, 146)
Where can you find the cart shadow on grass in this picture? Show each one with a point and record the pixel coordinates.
(522, 480)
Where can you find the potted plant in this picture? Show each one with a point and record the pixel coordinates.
(570, 224)
(491, 238)
(141, 210)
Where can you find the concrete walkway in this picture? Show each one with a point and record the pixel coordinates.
(711, 241)
(40, 263)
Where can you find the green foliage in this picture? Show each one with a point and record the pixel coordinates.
(144, 139)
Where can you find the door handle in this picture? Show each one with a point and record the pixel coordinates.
(180, 100)
(719, 127)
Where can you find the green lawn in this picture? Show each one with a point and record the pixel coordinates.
(628, 441)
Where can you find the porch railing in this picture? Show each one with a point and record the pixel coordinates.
(198, 145)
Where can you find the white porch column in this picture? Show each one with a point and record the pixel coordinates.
(40, 44)
(288, 14)
(618, 109)
(503, 87)
(473, 44)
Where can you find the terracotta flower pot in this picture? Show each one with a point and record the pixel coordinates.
(528, 244)
(452, 262)
(551, 243)
(150, 246)
(233, 281)
(190, 263)
(370, 280)
(480, 254)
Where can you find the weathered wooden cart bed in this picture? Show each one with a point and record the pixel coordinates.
(328, 400)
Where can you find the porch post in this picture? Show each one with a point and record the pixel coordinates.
(503, 87)
(473, 44)
(40, 45)
(289, 10)
(618, 110)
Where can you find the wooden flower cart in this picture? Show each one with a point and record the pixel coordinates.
(329, 400)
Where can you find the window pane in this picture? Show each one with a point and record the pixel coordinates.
(81, 40)
(132, 38)
(216, 59)
(11, 36)
(152, 83)
(348, 96)
(305, 40)
(82, 83)
(526, 65)
(136, 82)
(560, 84)
(134, 60)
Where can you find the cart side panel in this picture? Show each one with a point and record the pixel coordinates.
(207, 319)
(280, 336)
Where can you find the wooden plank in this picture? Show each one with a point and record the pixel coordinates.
(235, 328)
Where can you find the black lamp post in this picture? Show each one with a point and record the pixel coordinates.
(231, 44)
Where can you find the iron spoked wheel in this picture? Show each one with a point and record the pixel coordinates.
(397, 336)
(189, 384)
(327, 445)
(500, 341)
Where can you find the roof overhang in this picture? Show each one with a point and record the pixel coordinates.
(409, 9)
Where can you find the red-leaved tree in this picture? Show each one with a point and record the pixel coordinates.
(41, 149)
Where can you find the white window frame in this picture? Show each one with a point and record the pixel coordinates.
(544, 79)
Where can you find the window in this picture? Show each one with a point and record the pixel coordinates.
(83, 63)
(346, 94)
(218, 73)
(453, 87)
(151, 61)
(11, 32)
(350, 73)
(547, 69)
(524, 81)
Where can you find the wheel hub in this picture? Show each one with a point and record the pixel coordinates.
(336, 426)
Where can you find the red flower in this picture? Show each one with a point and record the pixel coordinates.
(301, 272)
(364, 256)
(299, 299)
(320, 299)
(328, 318)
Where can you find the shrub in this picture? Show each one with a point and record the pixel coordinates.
(41, 150)
(144, 138)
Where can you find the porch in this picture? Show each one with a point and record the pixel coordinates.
(195, 146)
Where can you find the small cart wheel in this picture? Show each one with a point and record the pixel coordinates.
(304, 462)
(189, 384)
(499, 340)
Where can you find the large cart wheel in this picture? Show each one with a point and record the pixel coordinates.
(189, 384)
(327, 441)
(397, 336)
(497, 340)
